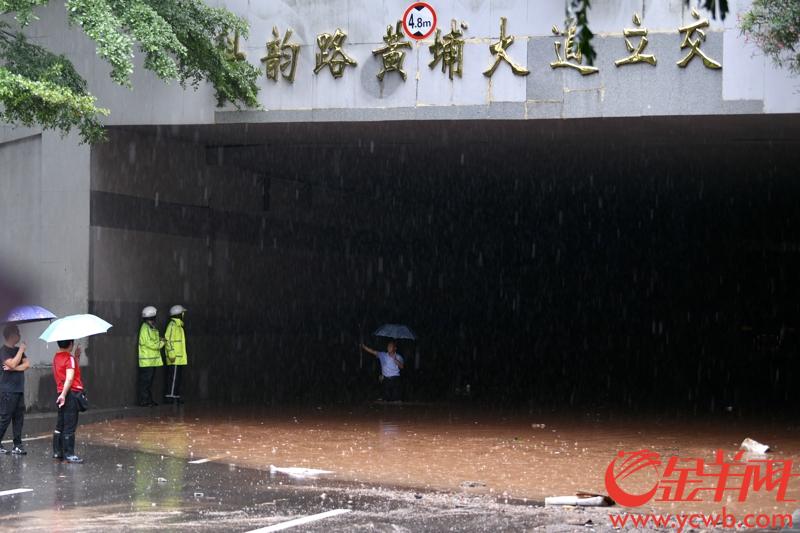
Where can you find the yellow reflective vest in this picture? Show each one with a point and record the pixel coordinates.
(150, 345)
(176, 342)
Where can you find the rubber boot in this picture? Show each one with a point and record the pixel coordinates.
(69, 450)
(58, 446)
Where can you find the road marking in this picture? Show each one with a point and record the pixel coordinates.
(294, 471)
(14, 491)
(28, 439)
(300, 521)
(207, 459)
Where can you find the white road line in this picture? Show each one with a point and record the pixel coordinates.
(207, 459)
(28, 439)
(14, 491)
(300, 521)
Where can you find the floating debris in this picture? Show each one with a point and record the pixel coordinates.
(581, 499)
(753, 446)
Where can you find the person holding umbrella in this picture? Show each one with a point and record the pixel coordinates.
(391, 361)
(67, 374)
(12, 378)
(391, 365)
(150, 344)
(12, 387)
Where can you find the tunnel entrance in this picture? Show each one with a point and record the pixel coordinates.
(634, 264)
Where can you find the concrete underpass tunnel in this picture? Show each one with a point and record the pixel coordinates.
(627, 263)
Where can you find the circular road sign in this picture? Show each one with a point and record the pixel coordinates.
(419, 20)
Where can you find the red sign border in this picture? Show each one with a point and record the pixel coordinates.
(405, 17)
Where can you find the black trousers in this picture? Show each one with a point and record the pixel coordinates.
(12, 410)
(145, 384)
(172, 382)
(67, 423)
(392, 389)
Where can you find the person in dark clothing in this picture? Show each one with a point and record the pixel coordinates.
(67, 374)
(12, 387)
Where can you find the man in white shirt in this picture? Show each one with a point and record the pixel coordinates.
(391, 365)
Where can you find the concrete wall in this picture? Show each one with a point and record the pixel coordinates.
(748, 83)
(636, 90)
(154, 239)
(45, 206)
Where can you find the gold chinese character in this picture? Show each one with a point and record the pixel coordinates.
(331, 55)
(499, 51)
(570, 52)
(449, 50)
(687, 42)
(281, 56)
(636, 51)
(391, 53)
(230, 46)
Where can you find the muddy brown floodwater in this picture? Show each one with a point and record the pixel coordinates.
(518, 456)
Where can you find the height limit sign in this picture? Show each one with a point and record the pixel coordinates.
(419, 20)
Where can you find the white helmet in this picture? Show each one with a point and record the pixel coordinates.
(176, 310)
(149, 312)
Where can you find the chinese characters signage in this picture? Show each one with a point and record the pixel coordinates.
(282, 51)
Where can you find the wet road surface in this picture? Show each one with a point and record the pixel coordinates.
(392, 469)
(121, 490)
(501, 455)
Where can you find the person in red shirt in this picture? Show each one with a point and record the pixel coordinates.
(67, 373)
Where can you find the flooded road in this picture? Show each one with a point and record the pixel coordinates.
(123, 490)
(508, 456)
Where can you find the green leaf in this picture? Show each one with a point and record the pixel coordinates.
(179, 40)
(23, 9)
(49, 105)
(99, 22)
(199, 28)
(774, 26)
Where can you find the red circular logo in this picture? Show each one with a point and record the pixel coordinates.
(419, 20)
(632, 463)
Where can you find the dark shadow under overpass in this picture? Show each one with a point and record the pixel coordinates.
(634, 264)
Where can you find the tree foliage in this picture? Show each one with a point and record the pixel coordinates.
(774, 25)
(179, 40)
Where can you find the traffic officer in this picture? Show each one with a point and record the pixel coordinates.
(176, 354)
(150, 344)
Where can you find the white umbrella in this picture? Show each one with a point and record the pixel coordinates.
(74, 327)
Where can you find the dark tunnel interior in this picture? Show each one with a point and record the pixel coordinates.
(633, 264)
